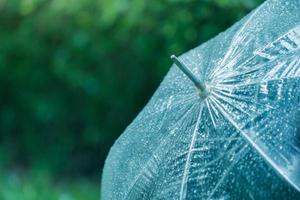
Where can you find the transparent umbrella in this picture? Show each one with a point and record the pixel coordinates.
(225, 121)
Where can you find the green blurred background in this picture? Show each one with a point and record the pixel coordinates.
(74, 74)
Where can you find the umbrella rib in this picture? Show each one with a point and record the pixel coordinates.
(215, 95)
(245, 99)
(188, 160)
(225, 114)
(211, 113)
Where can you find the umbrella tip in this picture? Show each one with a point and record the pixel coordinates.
(188, 73)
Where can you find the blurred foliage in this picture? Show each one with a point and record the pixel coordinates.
(73, 74)
(42, 186)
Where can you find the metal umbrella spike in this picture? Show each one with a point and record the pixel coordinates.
(225, 121)
(189, 74)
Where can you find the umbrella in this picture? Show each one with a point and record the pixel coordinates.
(225, 121)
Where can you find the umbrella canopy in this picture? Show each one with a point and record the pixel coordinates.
(225, 126)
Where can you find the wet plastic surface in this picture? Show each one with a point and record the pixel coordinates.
(242, 141)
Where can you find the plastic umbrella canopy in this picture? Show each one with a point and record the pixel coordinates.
(241, 140)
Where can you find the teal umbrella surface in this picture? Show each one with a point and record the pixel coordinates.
(225, 121)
